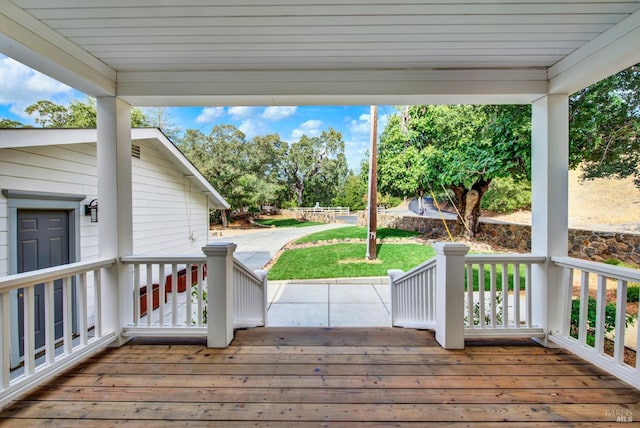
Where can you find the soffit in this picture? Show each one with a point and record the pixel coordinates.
(322, 51)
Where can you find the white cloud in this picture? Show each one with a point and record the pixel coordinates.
(310, 128)
(21, 86)
(361, 126)
(278, 112)
(209, 114)
(252, 127)
(355, 150)
(239, 112)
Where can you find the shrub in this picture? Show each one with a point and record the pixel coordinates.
(609, 319)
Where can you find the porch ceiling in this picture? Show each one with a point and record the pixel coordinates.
(226, 52)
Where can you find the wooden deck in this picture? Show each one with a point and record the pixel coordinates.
(329, 377)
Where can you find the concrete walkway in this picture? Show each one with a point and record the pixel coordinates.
(344, 302)
(352, 302)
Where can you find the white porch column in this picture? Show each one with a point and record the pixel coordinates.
(219, 293)
(450, 294)
(549, 205)
(115, 209)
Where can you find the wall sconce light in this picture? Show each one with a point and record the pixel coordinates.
(92, 210)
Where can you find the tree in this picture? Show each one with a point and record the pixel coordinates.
(462, 148)
(604, 127)
(318, 163)
(76, 115)
(352, 193)
(8, 123)
(400, 160)
(266, 156)
(221, 157)
(159, 117)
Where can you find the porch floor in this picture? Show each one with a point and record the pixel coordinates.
(329, 377)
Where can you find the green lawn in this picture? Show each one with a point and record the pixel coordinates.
(487, 277)
(286, 222)
(347, 260)
(354, 232)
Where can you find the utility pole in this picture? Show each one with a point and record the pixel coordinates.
(373, 188)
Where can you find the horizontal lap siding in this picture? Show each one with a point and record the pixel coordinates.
(56, 169)
(167, 208)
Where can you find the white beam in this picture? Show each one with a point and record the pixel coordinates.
(300, 87)
(612, 51)
(31, 42)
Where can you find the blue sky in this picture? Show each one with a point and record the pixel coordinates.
(21, 86)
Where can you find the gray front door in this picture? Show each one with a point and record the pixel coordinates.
(43, 241)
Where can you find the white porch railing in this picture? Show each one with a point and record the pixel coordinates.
(413, 296)
(491, 310)
(183, 309)
(595, 326)
(177, 303)
(498, 296)
(250, 296)
(55, 356)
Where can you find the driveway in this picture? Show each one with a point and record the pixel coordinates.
(257, 246)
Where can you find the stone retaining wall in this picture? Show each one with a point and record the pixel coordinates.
(321, 217)
(583, 244)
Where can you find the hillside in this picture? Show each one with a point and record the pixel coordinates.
(602, 204)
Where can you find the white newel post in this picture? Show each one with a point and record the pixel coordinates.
(115, 216)
(549, 207)
(219, 293)
(450, 294)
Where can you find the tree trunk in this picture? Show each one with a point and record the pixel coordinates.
(421, 202)
(474, 199)
(298, 189)
(299, 196)
(223, 216)
(468, 204)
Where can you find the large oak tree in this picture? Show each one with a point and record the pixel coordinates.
(461, 148)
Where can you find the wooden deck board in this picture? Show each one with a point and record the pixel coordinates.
(329, 377)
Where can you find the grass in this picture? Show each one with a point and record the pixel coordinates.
(287, 222)
(633, 288)
(354, 232)
(487, 277)
(347, 260)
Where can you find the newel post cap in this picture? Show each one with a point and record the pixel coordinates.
(219, 248)
(451, 248)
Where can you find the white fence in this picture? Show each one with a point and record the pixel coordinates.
(498, 299)
(595, 324)
(336, 210)
(57, 354)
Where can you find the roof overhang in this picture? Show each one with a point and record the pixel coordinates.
(34, 137)
(273, 53)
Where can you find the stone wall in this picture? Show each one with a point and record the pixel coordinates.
(321, 217)
(583, 244)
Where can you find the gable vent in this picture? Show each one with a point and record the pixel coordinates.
(135, 151)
